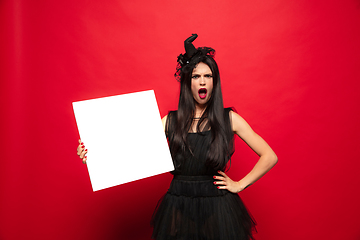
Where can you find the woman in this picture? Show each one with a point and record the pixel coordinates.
(202, 201)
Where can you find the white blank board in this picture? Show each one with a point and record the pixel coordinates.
(124, 137)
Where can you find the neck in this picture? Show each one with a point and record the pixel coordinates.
(199, 110)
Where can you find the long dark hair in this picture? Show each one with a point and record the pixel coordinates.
(213, 118)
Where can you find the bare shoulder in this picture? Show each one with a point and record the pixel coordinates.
(163, 120)
(234, 116)
(238, 124)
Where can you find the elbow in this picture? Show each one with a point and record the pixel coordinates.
(269, 159)
(274, 159)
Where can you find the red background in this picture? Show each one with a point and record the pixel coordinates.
(290, 68)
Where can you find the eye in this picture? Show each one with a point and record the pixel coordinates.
(208, 76)
(195, 76)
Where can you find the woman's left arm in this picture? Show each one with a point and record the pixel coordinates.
(266, 161)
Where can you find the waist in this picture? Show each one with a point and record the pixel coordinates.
(195, 186)
(193, 178)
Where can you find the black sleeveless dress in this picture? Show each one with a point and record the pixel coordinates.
(193, 208)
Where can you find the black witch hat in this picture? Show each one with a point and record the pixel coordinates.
(190, 50)
(192, 56)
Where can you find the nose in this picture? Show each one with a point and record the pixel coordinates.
(202, 81)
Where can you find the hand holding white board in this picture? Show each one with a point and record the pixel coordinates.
(124, 137)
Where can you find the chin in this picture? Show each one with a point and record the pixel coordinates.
(202, 102)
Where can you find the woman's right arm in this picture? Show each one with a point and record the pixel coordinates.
(163, 120)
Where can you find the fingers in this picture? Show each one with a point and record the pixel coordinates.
(80, 148)
(219, 178)
(223, 180)
(81, 151)
(222, 187)
(83, 157)
(222, 173)
(221, 183)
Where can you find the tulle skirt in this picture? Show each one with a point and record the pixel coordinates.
(194, 209)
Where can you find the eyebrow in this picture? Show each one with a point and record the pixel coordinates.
(193, 74)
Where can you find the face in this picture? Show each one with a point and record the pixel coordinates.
(201, 84)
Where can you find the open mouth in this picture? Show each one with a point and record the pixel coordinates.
(202, 93)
